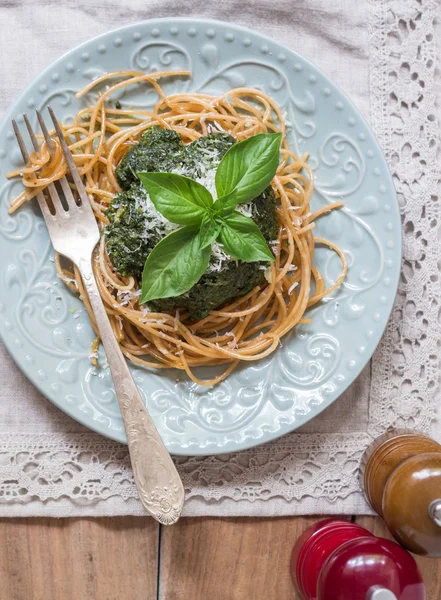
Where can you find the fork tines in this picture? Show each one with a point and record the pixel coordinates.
(47, 209)
(54, 203)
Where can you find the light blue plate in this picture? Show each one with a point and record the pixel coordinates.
(46, 329)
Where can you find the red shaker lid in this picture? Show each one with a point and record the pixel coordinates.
(370, 569)
(314, 547)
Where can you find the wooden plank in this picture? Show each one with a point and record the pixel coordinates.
(238, 559)
(79, 559)
(430, 567)
(116, 559)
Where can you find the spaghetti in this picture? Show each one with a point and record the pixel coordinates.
(247, 329)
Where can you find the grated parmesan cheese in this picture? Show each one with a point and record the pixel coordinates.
(154, 221)
(287, 122)
(293, 287)
(126, 296)
(233, 343)
(68, 279)
(208, 181)
(245, 209)
(219, 127)
(218, 257)
(275, 246)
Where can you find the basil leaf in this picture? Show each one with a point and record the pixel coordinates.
(248, 167)
(209, 231)
(180, 199)
(225, 205)
(243, 240)
(174, 265)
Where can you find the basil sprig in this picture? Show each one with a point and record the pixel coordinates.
(180, 259)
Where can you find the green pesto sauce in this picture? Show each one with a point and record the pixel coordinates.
(130, 236)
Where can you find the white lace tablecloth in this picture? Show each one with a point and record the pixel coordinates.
(383, 54)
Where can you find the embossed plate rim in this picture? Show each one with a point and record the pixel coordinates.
(199, 447)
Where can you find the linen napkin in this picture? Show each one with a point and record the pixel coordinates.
(383, 55)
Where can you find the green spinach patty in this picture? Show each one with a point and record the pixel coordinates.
(135, 226)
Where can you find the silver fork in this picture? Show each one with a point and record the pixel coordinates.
(74, 233)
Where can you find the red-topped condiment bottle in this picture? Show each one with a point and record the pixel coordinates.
(338, 560)
(401, 477)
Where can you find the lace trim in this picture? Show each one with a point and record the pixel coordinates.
(89, 468)
(405, 367)
(89, 471)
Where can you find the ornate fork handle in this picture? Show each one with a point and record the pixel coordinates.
(158, 482)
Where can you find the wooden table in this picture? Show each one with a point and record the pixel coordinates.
(129, 558)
